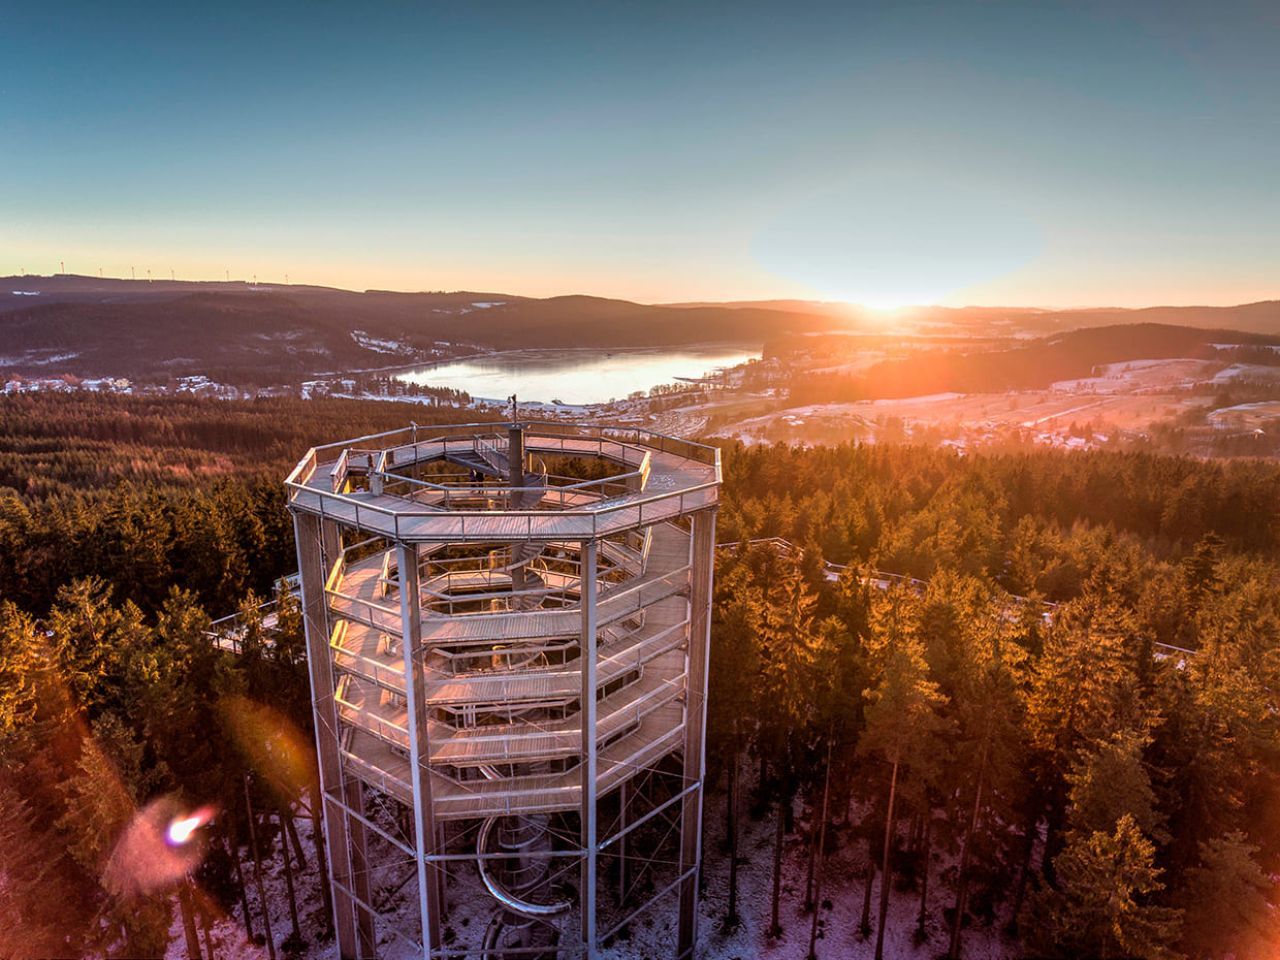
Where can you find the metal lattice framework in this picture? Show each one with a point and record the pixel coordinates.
(507, 632)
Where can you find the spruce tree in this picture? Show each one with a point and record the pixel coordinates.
(1229, 902)
(902, 721)
(1103, 903)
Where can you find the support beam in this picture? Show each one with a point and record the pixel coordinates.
(330, 544)
(515, 479)
(358, 844)
(424, 827)
(702, 560)
(624, 812)
(311, 569)
(589, 661)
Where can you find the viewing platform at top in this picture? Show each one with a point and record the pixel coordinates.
(380, 484)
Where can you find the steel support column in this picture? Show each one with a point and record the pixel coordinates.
(424, 827)
(624, 812)
(587, 712)
(358, 847)
(312, 574)
(702, 548)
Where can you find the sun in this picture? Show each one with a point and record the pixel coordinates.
(887, 301)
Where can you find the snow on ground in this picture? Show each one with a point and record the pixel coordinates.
(838, 924)
(1132, 376)
(926, 399)
(1274, 348)
(423, 400)
(377, 345)
(653, 934)
(229, 940)
(1247, 371)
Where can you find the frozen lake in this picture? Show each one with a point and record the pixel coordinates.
(578, 376)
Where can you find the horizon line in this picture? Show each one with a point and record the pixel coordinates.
(729, 302)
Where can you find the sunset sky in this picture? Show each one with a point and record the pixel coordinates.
(1010, 153)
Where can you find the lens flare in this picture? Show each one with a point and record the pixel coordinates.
(161, 845)
(273, 745)
(182, 829)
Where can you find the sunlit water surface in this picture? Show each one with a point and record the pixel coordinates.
(578, 376)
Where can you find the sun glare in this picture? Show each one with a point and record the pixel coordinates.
(182, 829)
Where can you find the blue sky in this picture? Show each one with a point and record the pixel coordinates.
(1015, 153)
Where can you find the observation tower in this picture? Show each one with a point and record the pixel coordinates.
(507, 636)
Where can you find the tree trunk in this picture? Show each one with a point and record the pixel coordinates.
(864, 925)
(966, 851)
(207, 927)
(775, 928)
(322, 859)
(188, 920)
(822, 852)
(1028, 850)
(296, 931)
(731, 828)
(885, 875)
(808, 870)
(233, 850)
(925, 832)
(257, 872)
(295, 839)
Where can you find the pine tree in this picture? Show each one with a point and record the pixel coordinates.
(82, 624)
(902, 722)
(100, 806)
(733, 650)
(35, 923)
(787, 641)
(1102, 905)
(21, 662)
(1226, 899)
(990, 748)
(1083, 689)
(1109, 781)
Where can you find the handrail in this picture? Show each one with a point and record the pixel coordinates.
(689, 449)
(498, 487)
(437, 512)
(338, 475)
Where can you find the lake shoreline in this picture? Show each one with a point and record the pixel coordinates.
(566, 364)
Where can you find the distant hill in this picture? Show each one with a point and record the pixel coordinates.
(266, 332)
(1261, 317)
(1021, 365)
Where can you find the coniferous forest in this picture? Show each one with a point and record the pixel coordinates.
(1067, 720)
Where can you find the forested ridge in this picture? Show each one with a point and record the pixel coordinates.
(1052, 774)
(998, 366)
